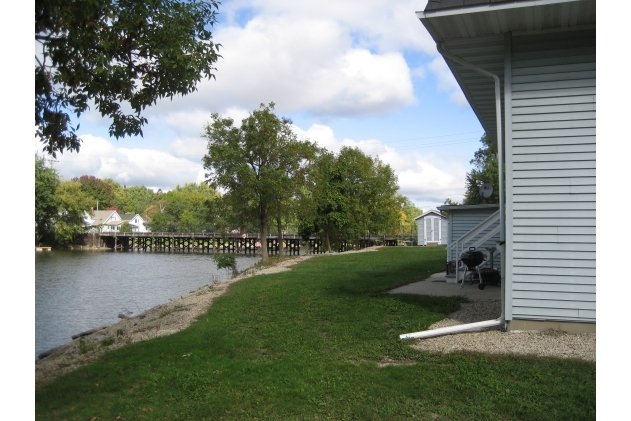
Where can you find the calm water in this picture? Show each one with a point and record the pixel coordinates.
(76, 291)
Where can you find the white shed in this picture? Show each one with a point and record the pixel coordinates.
(432, 228)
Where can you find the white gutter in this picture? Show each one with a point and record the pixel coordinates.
(500, 152)
(490, 7)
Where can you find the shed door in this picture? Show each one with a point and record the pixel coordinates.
(431, 230)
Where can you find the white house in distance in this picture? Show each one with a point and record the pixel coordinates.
(108, 220)
(111, 221)
(136, 222)
(528, 70)
(432, 228)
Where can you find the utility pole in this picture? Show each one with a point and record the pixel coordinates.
(50, 161)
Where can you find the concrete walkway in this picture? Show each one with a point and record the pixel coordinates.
(437, 285)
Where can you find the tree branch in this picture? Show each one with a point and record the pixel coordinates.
(47, 38)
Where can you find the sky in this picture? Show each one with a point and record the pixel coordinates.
(360, 73)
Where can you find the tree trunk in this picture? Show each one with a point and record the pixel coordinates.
(280, 237)
(264, 255)
(328, 242)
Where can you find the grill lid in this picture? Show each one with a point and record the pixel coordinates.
(472, 258)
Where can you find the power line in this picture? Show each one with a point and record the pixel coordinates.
(433, 137)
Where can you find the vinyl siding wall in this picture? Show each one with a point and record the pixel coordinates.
(553, 154)
(463, 221)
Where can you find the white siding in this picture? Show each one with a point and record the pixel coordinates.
(553, 114)
(444, 222)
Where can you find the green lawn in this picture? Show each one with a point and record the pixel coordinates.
(307, 344)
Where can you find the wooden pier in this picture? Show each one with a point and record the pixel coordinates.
(230, 243)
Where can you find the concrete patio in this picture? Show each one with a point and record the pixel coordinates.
(437, 285)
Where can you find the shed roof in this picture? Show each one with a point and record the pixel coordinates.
(468, 207)
(474, 30)
(431, 211)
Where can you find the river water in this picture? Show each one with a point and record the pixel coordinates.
(80, 290)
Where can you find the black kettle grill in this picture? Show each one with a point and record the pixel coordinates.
(472, 260)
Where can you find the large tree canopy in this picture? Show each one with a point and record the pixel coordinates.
(352, 194)
(185, 209)
(119, 55)
(257, 163)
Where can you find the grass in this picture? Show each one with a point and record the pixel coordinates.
(307, 344)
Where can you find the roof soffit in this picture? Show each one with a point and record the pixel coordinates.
(474, 30)
(499, 17)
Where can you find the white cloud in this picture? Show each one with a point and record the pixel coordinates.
(305, 64)
(322, 59)
(382, 25)
(191, 148)
(419, 72)
(187, 123)
(151, 168)
(190, 127)
(447, 82)
(237, 114)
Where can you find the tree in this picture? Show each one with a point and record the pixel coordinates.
(132, 199)
(46, 182)
(99, 190)
(449, 202)
(120, 56)
(351, 195)
(186, 209)
(408, 212)
(255, 163)
(226, 261)
(485, 170)
(125, 226)
(72, 201)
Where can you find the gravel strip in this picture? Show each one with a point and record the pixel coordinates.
(549, 343)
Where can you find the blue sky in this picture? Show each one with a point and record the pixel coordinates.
(361, 73)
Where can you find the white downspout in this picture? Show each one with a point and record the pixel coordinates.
(500, 151)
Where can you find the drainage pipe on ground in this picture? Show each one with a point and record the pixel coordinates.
(453, 329)
(500, 151)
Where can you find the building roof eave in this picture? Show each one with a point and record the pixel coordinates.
(476, 34)
(468, 207)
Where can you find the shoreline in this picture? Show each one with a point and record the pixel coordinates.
(160, 320)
